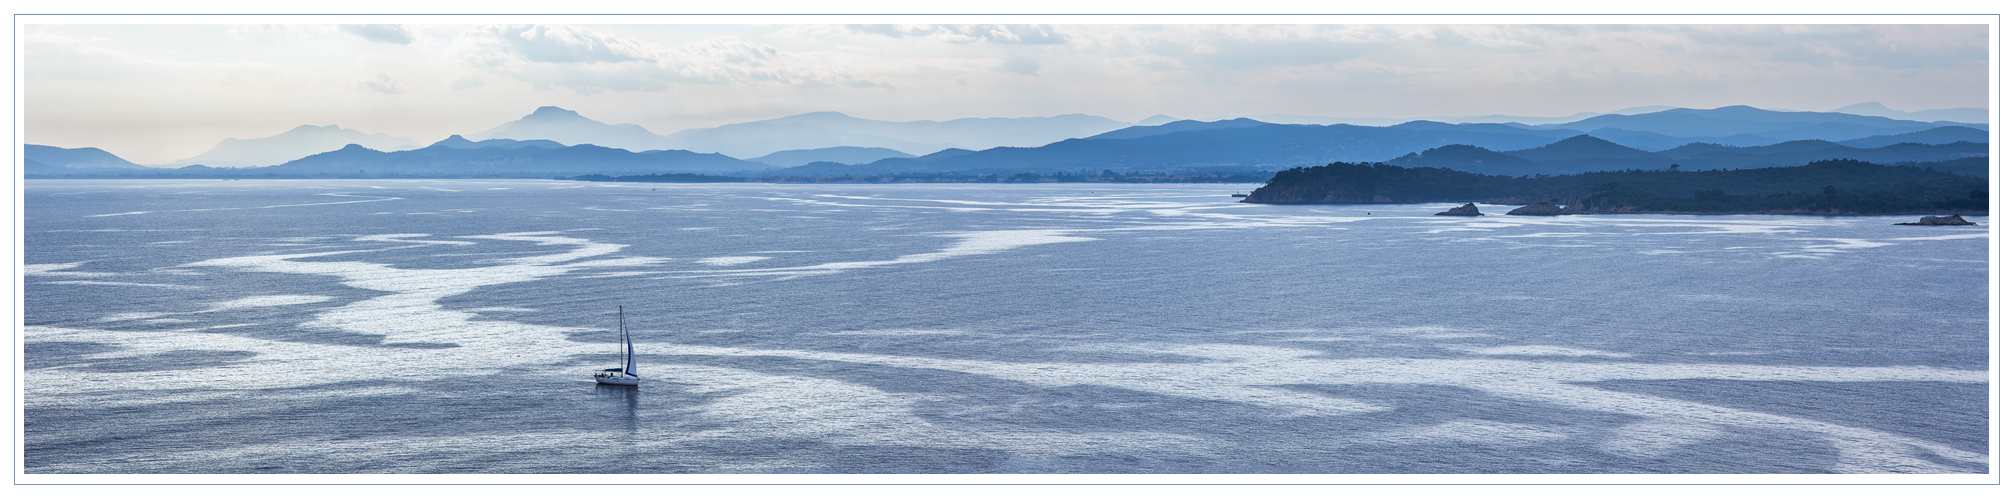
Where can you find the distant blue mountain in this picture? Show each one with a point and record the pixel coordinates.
(568, 127)
(1652, 141)
(1467, 158)
(1958, 115)
(835, 169)
(1495, 128)
(1800, 152)
(849, 155)
(1584, 148)
(1730, 137)
(454, 159)
(1700, 149)
(832, 129)
(1247, 146)
(1581, 153)
(804, 131)
(1736, 120)
(290, 145)
(1589, 154)
(79, 159)
(458, 142)
(946, 153)
(1177, 126)
(1940, 135)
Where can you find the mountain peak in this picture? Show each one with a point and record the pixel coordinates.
(826, 117)
(552, 112)
(1583, 140)
(454, 141)
(1582, 147)
(1870, 108)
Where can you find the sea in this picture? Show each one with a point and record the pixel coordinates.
(453, 326)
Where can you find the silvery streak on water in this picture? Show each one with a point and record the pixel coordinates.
(1054, 328)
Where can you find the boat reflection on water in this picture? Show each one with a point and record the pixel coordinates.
(626, 395)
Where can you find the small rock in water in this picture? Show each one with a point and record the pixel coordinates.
(1465, 209)
(1933, 220)
(1537, 209)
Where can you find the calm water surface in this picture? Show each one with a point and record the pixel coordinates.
(373, 326)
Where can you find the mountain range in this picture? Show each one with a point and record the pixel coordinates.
(806, 131)
(1739, 126)
(1961, 115)
(553, 140)
(848, 155)
(570, 128)
(50, 160)
(460, 157)
(1585, 153)
(1571, 147)
(290, 145)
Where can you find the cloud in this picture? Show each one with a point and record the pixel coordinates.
(382, 33)
(1020, 65)
(465, 82)
(268, 33)
(562, 44)
(1019, 34)
(381, 83)
(588, 62)
(61, 57)
(1876, 46)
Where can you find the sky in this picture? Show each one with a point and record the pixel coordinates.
(154, 93)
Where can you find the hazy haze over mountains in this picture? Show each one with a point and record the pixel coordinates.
(1380, 121)
(848, 155)
(1735, 120)
(456, 156)
(570, 128)
(1961, 115)
(831, 129)
(291, 145)
(805, 131)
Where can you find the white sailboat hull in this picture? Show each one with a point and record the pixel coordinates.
(615, 376)
(629, 381)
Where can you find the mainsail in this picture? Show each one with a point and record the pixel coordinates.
(629, 352)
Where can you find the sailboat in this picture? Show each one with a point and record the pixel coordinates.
(627, 375)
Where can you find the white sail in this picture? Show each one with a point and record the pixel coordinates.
(629, 351)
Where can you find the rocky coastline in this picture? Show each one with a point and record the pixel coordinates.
(1467, 209)
(1933, 220)
(1538, 209)
(1833, 187)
